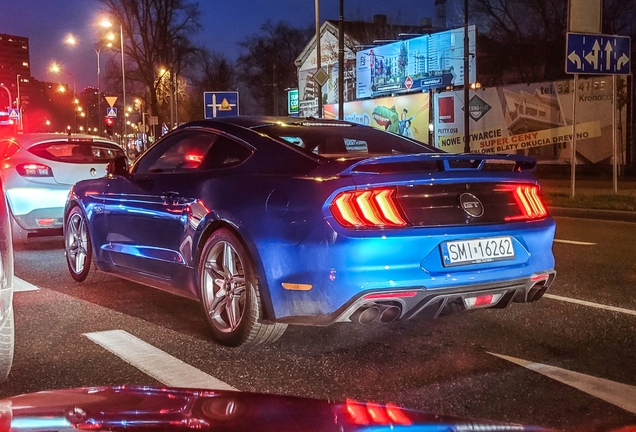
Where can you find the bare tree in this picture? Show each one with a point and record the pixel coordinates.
(267, 67)
(211, 72)
(156, 34)
(524, 40)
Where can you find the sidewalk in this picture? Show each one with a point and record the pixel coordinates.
(586, 187)
(589, 187)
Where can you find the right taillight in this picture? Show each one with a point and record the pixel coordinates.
(370, 208)
(528, 200)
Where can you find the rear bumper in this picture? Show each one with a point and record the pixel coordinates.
(335, 269)
(434, 303)
(25, 200)
(42, 220)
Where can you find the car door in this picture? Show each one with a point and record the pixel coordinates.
(147, 212)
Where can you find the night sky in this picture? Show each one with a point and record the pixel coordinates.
(47, 23)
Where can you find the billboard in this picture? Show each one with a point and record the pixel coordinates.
(292, 102)
(406, 115)
(430, 61)
(533, 119)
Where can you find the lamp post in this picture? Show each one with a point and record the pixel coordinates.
(55, 68)
(18, 103)
(99, 94)
(72, 40)
(107, 23)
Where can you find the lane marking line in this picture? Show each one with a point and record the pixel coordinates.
(20, 285)
(152, 361)
(619, 394)
(590, 304)
(572, 242)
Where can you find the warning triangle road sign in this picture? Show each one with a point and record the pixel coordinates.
(111, 100)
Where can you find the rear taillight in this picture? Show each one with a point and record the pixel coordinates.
(34, 170)
(371, 208)
(528, 200)
(376, 414)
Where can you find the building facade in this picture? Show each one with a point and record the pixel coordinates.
(14, 65)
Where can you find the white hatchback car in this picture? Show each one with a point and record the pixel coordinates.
(38, 171)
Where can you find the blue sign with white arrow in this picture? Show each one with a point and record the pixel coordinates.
(597, 54)
(221, 104)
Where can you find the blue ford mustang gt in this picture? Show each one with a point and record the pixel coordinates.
(276, 221)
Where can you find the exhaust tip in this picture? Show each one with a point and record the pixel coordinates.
(367, 314)
(390, 313)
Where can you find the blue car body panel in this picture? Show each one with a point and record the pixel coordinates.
(151, 227)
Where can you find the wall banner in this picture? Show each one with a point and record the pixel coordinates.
(533, 119)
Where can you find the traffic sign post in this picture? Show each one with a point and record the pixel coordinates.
(597, 54)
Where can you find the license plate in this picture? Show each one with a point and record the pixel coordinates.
(477, 251)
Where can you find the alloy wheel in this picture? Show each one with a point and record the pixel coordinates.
(224, 287)
(77, 243)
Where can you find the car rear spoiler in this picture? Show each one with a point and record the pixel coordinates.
(442, 162)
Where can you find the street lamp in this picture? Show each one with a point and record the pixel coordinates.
(71, 40)
(55, 68)
(107, 24)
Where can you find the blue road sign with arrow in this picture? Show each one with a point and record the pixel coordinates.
(597, 54)
(220, 104)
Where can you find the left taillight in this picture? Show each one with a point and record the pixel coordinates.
(529, 202)
(34, 170)
(370, 208)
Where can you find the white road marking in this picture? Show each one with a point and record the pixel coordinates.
(20, 285)
(619, 394)
(590, 304)
(152, 361)
(572, 242)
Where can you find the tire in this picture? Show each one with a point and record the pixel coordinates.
(7, 341)
(77, 245)
(230, 293)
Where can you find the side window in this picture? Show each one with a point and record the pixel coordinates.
(225, 153)
(181, 152)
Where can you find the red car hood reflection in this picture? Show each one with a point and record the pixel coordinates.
(137, 408)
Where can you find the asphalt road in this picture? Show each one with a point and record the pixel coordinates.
(552, 363)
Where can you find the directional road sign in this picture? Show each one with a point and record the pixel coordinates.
(221, 104)
(597, 54)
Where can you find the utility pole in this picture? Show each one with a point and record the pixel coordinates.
(466, 82)
(341, 62)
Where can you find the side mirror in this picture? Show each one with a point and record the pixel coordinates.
(118, 167)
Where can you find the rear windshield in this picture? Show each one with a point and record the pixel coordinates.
(343, 140)
(77, 152)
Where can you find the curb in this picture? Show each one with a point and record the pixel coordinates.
(612, 215)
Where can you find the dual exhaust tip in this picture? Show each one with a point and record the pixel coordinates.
(384, 313)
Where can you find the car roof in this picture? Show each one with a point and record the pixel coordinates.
(253, 121)
(29, 139)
